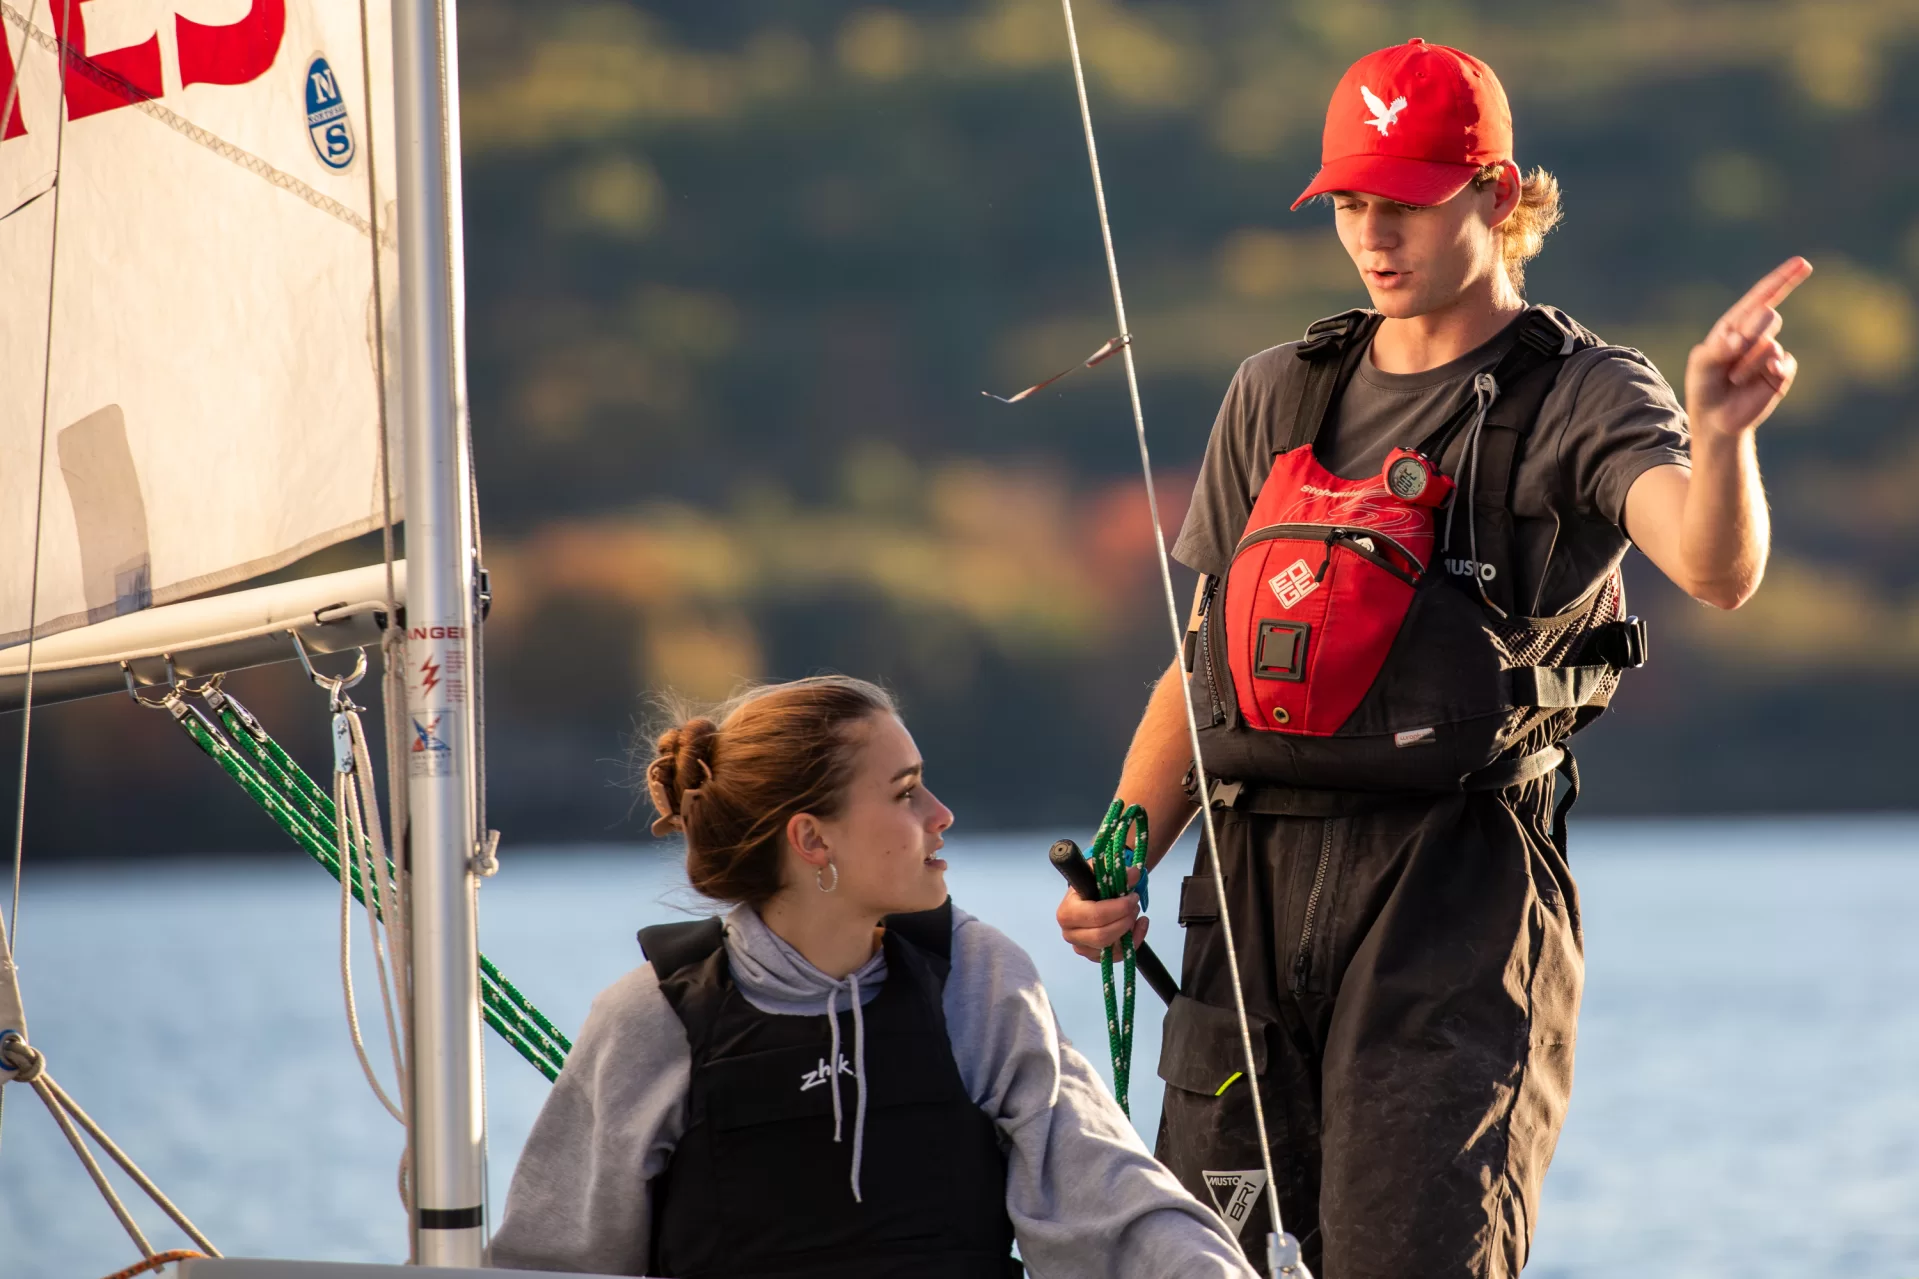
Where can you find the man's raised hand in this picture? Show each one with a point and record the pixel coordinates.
(1739, 373)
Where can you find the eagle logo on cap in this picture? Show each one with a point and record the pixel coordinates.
(1384, 117)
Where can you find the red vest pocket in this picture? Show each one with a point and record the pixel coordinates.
(1317, 591)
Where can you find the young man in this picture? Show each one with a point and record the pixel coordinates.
(1410, 527)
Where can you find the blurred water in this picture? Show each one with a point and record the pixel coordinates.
(1745, 1106)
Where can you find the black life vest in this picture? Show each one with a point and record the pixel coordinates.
(1362, 640)
(758, 1187)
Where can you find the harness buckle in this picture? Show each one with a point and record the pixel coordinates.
(1621, 645)
(1225, 794)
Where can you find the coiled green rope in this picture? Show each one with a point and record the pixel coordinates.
(1112, 857)
(296, 803)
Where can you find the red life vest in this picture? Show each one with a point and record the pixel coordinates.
(1365, 636)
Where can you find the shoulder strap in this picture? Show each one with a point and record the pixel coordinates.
(1541, 341)
(1333, 348)
(672, 947)
(1522, 380)
(929, 930)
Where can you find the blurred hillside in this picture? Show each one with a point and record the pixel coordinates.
(738, 274)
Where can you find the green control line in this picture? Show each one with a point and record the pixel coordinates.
(301, 808)
(1112, 857)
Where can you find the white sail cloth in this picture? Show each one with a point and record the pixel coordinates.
(211, 408)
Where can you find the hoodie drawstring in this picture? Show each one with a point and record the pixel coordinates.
(859, 1086)
(833, 1055)
(859, 1073)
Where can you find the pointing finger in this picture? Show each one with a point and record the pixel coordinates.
(1774, 288)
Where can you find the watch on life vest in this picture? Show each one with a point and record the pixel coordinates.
(757, 1184)
(1410, 476)
(1367, 635)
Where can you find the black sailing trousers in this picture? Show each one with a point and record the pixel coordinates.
(1413, 974)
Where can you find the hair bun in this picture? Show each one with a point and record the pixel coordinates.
(682, 762)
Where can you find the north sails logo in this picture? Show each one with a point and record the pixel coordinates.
(327, 124)
(1384, 117)
(822, 1072)
(1293, 583)
(1234, 1194)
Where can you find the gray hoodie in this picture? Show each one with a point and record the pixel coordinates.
(1085, 1197)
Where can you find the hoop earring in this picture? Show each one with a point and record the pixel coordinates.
(819, 877)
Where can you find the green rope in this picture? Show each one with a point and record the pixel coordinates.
(509, 1030)
(203, 734)
(295, 802)
(546, 1027)
(1112, 858)
(268, 756)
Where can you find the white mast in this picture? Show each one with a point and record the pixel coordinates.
(449, 1183)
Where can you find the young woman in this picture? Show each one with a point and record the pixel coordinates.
(846, 1075)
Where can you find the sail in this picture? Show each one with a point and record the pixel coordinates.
(190, 374)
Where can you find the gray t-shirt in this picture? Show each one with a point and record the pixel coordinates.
(1609, 418)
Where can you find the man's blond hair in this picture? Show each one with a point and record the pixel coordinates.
(1523, 234)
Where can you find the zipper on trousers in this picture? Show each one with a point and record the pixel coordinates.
(1303, 961)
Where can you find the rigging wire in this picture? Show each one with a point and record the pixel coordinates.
(39, 476)
(392, 668)
(94, 1171)
(1172, 613)
(132, 1170)
(29, 1065)
(392, 638)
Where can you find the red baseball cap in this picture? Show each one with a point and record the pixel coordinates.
(1413, 123)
